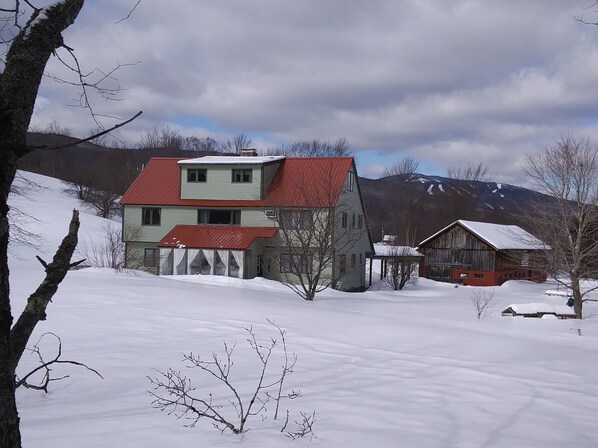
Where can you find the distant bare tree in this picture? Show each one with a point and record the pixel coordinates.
(237, 143)
(568, 172)
(408, 165)
(207, 144)
(314, 148)
(477, 172)
(104, 203)
(55, 128)
(161, 137)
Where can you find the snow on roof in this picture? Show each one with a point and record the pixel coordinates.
(539, 308)
(499, 236)
(401, 251)
(231, 160)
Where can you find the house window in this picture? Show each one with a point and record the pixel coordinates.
(296, 219)
(350, 181)
(463, 275)
(242, 176)
(293, 264)
(151, 258)
(197, 175)
(353, 260)
(150, 216)
(360, 259)
(344, 219)
(342, 265)
(353, 220)
(525, 259)
(360, 222)
(218, 216)
(478, 275)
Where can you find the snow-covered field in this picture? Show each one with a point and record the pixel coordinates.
(382, 368)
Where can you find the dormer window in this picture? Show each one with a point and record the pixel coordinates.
(196, 175)
(242, 175)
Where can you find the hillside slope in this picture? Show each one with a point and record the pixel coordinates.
(381, 368)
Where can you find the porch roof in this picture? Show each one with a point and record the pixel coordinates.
(215, 237)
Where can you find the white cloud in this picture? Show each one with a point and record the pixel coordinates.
(441, 81)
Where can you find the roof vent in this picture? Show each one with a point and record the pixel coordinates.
(248, 152)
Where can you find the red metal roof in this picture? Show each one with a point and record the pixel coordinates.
(299, 182)
(308, 181)
(215, 237)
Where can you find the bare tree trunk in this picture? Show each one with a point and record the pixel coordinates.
(577, 296)
(9, 417)
(19, 83)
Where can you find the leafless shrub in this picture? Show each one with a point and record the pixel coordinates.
(483, 302)
(44, 367)
(403, 267)
(173, 391)
(109, 251)
(304, 427)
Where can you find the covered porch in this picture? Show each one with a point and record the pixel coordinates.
(231, 251)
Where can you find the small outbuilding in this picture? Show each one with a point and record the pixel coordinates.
(388, 254)
(480, 254)
(539, 310)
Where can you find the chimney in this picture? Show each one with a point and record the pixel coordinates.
(248, 152)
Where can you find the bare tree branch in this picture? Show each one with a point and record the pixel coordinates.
(45, 366)
(92, 137)
(129, 14)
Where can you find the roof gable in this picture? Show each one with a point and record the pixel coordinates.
(308, 181)
(498, 236)
(298, 182)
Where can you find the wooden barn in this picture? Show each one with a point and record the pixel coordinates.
(480, 254)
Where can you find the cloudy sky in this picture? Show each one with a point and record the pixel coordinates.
(447, 82)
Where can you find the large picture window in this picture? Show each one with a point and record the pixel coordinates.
(242, 175)
(197, 175)
(296, 219)
(218, 216)
(150, 216)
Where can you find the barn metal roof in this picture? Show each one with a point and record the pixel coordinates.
(215, 237)
(499, 236)
(299, 182)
